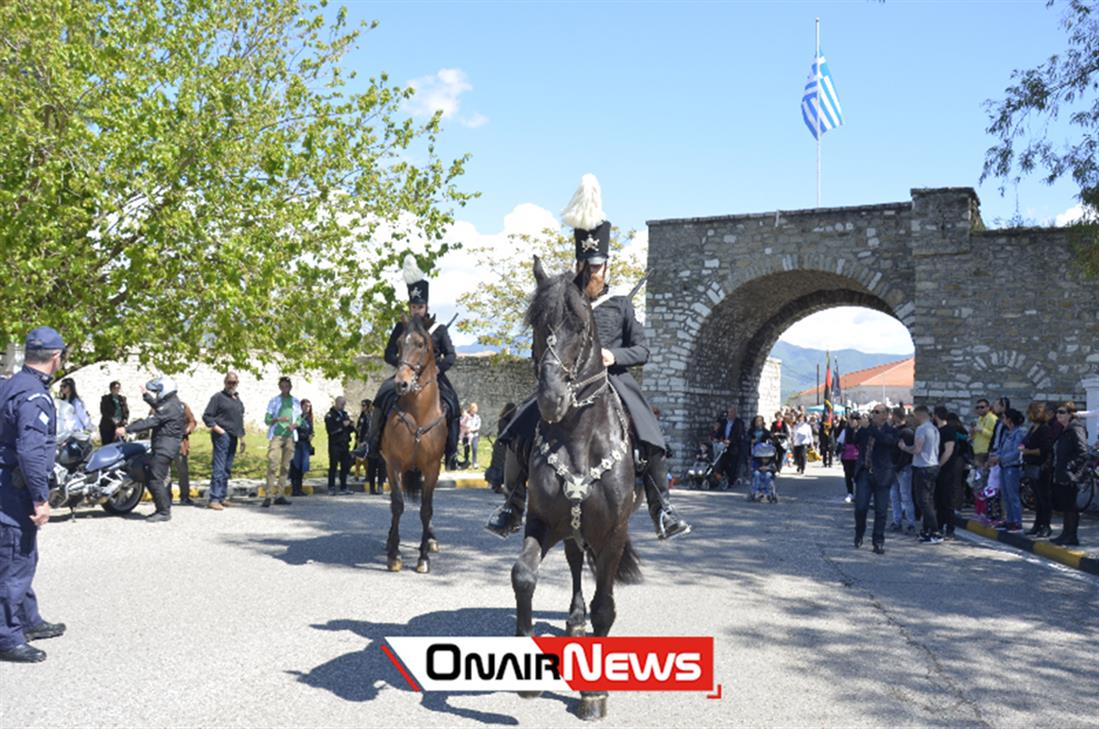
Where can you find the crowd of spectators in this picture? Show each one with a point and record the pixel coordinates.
(921, 465)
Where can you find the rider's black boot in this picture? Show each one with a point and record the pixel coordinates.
(451, 453)
(667, 521)
(374, 435)
(507, 519)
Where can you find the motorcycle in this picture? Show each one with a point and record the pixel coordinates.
(113, 476)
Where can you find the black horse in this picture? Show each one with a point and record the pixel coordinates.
(581, 478)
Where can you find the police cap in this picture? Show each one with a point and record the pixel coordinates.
(44, 338)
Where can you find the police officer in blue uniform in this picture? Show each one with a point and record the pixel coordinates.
(624, 346)
(28, 432)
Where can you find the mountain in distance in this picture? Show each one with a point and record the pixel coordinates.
(799, 365)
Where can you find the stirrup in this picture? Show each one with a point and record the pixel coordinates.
(505, 521)
(669, 525)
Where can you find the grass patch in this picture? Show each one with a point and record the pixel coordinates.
(253, 462)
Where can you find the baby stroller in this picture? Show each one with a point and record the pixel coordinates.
(704, 473)
(763, 472)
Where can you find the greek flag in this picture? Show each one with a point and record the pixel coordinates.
(826, 105)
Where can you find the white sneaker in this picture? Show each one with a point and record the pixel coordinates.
(847, 499)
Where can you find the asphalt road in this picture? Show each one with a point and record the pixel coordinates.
(257, 617)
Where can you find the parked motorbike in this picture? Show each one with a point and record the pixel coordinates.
(113, 476)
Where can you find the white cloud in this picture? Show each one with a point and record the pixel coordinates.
(850, 327)
(1073, 214)
(474, 120)
(442, 92)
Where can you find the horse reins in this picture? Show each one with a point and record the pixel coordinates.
(575, 388)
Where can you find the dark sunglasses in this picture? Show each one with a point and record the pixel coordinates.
(232, 382)
(1062, 411)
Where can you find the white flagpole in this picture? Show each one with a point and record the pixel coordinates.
(816, 60)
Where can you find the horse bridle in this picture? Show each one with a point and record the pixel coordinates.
(417, 370)
(417, 432)
(571, 373)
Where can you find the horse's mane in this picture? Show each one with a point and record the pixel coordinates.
(557, 302)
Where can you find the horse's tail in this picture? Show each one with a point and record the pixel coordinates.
(629, 566)
(413, 485)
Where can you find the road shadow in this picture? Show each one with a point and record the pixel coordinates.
(360, 674)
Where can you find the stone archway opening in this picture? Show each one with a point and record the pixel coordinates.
(736, 338)
(871, 350)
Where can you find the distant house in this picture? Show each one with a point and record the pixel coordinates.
(890, 382)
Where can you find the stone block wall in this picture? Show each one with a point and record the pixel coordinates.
(990, 312)
(489, 381)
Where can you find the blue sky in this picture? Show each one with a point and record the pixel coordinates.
(688, 109)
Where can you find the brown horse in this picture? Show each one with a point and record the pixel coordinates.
(414, 439)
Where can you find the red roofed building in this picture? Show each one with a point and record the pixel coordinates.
(891, 382)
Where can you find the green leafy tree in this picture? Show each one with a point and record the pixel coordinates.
(494, 310)
(1067, 84)
(201, 181)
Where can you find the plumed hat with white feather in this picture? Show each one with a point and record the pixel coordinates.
(591, 231)
(416, 281)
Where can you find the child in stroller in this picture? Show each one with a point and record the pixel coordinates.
(704, 473)
(764, 466)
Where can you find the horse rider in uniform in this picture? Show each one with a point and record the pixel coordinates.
(386, 399)
(623, 342)
(28, 432)
(169, 426)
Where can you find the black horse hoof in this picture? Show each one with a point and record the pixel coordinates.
(423, 567)
(579, 630)
(432, 546)
(529, 694)
(394, 564)
(592, 708)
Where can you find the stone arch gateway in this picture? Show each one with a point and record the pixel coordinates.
(724, 288)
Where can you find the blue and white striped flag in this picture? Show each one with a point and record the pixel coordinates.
(830, 113)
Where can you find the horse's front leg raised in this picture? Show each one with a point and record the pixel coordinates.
(396, 508)
(578, 610)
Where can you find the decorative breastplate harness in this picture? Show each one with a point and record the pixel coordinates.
(577, 483)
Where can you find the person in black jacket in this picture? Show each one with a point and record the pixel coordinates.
(874, 475)
(339, 427)
(1070, 459)
(169, 426)
(114, 413)
(224, 416)
(445, 356)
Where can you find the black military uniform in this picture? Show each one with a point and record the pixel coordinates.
(338, 425)
(445, 356)
(621, 334)
(169, 426)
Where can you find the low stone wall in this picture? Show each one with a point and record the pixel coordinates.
(196, 388)
(489, 381)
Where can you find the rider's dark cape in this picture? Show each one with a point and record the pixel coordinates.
(621, 333)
